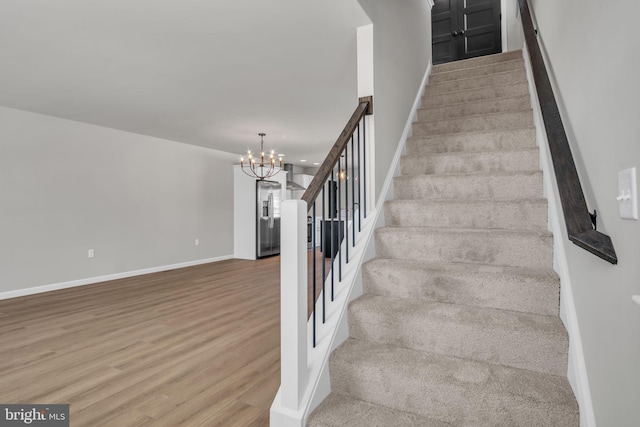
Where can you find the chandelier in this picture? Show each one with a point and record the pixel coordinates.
(260, 169)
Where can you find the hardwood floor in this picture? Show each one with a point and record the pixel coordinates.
(197, 346)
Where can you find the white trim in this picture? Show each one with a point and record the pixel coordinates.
(577, 369)
(329, 335)
(366, 86)
(503, 24)
(364, 58)
(91, 280)
(335, 331)
(336, 326)
(293, 303)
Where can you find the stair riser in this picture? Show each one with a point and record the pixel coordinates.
(462, 393)
(502, 161)
(513, 139)
(473, 83)
(494, 336)
(481, 70)
(500, 105)
(477, 62)
(475, 95)
(519, 186)
(501, 291)
(508, 249)
(482, 123)
(509, 215)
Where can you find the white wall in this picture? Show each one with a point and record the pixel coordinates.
(591, 54)
(511, 25)
(139, 202)
(401, 54)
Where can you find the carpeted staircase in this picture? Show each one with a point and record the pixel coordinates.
(458, 324)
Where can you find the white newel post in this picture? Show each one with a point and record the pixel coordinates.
(293, 302)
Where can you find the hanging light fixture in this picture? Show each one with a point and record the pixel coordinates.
(258, 168)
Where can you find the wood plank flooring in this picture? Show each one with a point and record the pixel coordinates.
(197, 346)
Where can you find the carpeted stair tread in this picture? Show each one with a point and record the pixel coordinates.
(480, 122)
(523, 214)
(484, 93)
(517, 248)
(458, 323)
(520, 340)
(339, 410)
(502, 139)
(480, 70)
(483, 106)
(505, 77)
(495, 185)
(487, 161)
(510, 288)
(477, 62)
(459, 391)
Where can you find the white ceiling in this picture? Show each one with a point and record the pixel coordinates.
(212, 73)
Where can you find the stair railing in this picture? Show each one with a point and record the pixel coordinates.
(337, 198)
(581, 224)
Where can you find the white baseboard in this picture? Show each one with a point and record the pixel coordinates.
(577, 369)
(91, 280)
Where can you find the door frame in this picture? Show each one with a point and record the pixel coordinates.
(503, 21)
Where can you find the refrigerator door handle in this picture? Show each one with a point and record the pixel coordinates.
(270, 203)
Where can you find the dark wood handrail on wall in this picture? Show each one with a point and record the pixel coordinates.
(365, 108)
(574, 206)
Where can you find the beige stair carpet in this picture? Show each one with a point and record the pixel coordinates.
(458, 324)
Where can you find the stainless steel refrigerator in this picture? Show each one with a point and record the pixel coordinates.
(268, 194)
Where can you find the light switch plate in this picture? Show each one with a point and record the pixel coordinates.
(628, 194)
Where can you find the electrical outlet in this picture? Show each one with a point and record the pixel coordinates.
(197, 242)
(627, 194)
(91, 253)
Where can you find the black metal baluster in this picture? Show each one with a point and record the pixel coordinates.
(346, 203)
(339, 220)
(323, 243)
(359, 185)
(313, 279)
(353, 196)
(332, 195)
(364, 157)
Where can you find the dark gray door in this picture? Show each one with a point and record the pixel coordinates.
(444, 23)
(465, 29)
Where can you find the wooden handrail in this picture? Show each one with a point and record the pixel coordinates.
(574, 206)
(365, 107)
